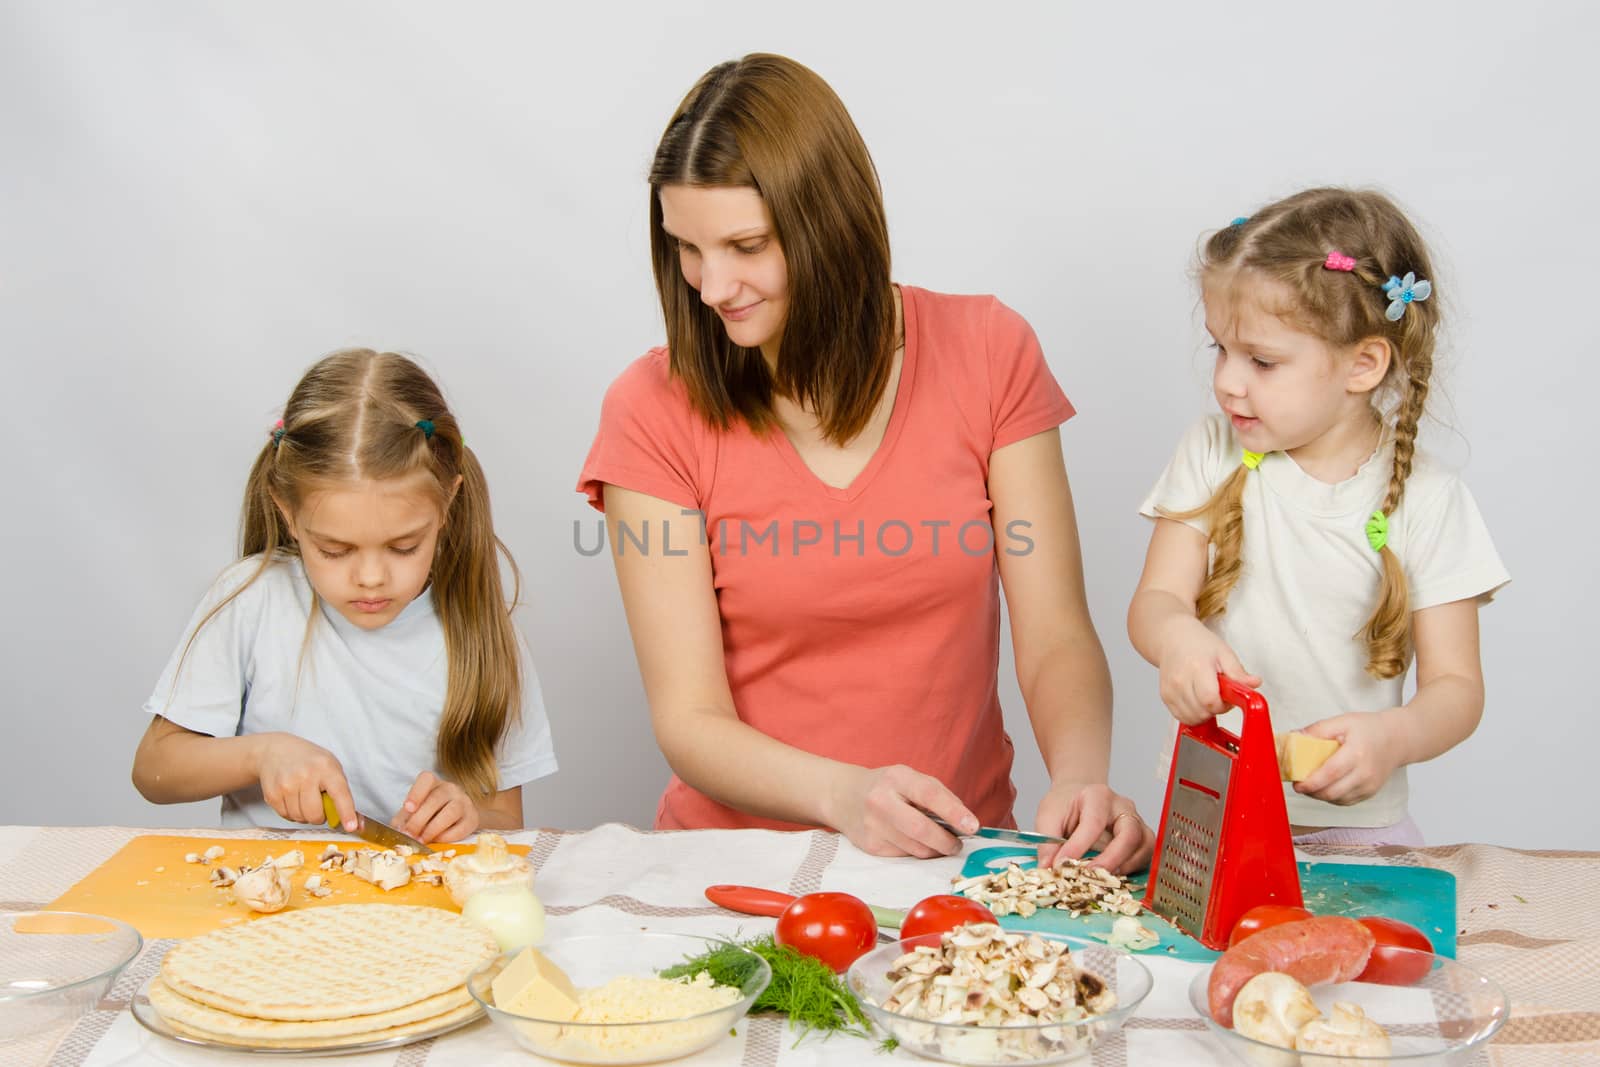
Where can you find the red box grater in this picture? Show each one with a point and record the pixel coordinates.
(1224, 844)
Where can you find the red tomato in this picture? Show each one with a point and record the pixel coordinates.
(1391, 964)
(941, 914)
(1263, 916)
(836, 928)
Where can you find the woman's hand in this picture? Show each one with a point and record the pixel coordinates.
(1191, 658)
(1369, 752)
(436, 810)
(294, 773)
(883, 811)
(1093, 816)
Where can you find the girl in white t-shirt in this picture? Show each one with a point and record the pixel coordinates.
(1301, 532)
(363, 646)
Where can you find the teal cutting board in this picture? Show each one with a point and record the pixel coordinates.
(1421, 896)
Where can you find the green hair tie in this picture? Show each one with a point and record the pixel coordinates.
(1378, 531)
(1252, 460)
(426, 426)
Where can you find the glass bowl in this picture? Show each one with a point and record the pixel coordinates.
(592, 960)
(1441, 1019)
(1014, 1044)
(56, 965)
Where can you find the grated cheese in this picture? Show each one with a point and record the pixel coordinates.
(630, 999)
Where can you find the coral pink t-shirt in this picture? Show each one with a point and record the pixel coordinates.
(861, 624)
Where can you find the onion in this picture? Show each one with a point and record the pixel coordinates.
(512, 915)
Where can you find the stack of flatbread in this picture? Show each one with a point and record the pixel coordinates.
(323, 977)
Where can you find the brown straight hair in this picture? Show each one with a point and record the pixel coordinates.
(767, 123)
(353, 417)
(1288, 242)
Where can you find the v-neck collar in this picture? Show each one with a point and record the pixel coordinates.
(897, 417)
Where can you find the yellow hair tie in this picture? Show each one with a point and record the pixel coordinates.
(1252, 459)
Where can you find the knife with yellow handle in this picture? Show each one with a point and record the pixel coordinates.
(370, 829)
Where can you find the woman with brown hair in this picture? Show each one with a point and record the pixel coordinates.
(813, 493)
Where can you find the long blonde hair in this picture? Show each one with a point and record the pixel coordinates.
(768, 123)
(1288, 242)
(354, 416)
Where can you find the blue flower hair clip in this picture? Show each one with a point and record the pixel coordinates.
(1402, 291)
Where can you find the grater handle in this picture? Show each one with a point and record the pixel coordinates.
(1234, 695)
(1239, 695)
(1257, 729)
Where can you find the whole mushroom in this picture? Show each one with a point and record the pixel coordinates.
(1346, 1032)
(1272, 1008)
(491, 866)
(265, 888)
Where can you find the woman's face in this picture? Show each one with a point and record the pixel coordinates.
(729, 252)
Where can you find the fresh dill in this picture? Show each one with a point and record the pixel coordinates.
(803, 988)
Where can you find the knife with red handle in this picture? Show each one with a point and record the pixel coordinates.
(752, 901)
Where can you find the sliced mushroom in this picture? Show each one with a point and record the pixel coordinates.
(386, 870)
(989, 977)
(1070, 885)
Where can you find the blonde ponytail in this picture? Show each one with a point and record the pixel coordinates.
(484, 694)
(1223, 516)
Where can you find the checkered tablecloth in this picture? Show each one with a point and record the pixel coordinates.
(1530, 920)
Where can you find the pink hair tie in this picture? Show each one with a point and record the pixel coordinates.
(1339, 261)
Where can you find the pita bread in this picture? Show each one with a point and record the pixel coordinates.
(331, 963)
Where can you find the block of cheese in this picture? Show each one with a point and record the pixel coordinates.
(1301, 754)
(534, 986)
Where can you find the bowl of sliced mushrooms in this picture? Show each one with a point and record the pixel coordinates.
(983, 995)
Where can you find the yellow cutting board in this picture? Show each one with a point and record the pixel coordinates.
(148, 885)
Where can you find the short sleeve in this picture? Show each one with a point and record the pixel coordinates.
(1192, 475)
(647, 437)
(1448, 553)
(526, 751)
(208, 694)
(1024, 397)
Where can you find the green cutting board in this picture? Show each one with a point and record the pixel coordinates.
(1421, 896)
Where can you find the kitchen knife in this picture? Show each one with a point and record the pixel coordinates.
(1021, 837)
(370, 829)
(753, 901)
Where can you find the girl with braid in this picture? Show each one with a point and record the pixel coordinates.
(362, 647)
(1301, 539)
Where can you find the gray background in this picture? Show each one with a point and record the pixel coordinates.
(198, 199)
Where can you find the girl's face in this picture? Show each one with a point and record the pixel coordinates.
(368, 547)
(1282, 388)
(728, 250)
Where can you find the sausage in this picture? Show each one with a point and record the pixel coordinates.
(1326, 948)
